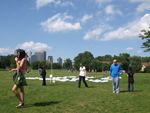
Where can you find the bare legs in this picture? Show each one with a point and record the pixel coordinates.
(20, 98)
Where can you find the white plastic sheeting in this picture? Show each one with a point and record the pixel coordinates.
(74, 79)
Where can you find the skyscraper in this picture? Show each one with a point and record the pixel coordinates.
(50, 59)
(59, 60)
(32, 58)
(41, 55)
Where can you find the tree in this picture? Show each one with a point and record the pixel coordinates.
(67, 64)
(145, 35)
(6, 61)
(100, 58)
(56, 66)
(147, 69)
(13, 62)
(124, 57)
(84, 58)
(135, 63)
(95, 65)
(145, 59)
(107, 58)
(35, 64)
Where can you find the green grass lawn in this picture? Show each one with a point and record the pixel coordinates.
(64, 97)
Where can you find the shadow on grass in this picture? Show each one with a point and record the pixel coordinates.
(91, 86)
(46, 103)
(41, 104)
(124, 91)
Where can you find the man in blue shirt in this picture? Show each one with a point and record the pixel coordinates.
(114, 70)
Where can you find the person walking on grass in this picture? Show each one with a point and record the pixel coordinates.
(82, 75)
(130, 76)
(114, 70)
(20, 80)
(43, 74)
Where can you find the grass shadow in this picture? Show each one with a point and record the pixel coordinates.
(46, 103)
(41, 104)
(91, 86)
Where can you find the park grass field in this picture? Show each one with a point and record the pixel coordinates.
(64, 97)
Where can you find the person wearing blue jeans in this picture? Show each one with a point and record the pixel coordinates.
(114, 73)
(82, 75)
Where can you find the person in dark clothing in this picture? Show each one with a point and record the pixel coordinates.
(130, 76)
(43, 74)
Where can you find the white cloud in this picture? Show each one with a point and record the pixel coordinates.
(42, 3)
(139, 51)
(57, 23)
(6, 51)
(102, 1)
(94, 34)
(28, 46)
(145, 5)
(110, 10)
(129, 48)
(86, 17)
(130, 31)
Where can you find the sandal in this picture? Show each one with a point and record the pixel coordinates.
(20, 104)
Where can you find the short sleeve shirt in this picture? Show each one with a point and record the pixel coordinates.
(82, 73)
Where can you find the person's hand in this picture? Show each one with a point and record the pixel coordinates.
(16, 59)
(78, 75)
(109, 77)
(120, 74)
(85, 76)
(11, 70)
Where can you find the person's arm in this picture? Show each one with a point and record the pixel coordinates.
(110, 72)
(127, 75)
(79, 73)
(133, 75)
(22, 63)
(85, 72)
(13, 70)
(121, 70)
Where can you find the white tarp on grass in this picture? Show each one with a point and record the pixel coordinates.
(73, 79)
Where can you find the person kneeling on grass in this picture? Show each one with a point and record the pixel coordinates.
(130, 76)
(82, 75)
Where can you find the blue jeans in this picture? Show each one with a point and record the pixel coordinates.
(115, 82)
(129, 87)
(82, 77)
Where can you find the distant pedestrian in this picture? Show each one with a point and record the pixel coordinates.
(130, 76)
(89, 70)
(114, 70)
(82, 75)
(43, 74)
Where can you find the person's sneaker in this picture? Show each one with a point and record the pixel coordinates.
(117, 92)
(113, 92)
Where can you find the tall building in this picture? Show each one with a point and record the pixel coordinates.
(50, 59)
(59, 60)
(41, 55)
(32, 58)
(29, 53)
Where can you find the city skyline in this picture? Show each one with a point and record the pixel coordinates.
(66, 28)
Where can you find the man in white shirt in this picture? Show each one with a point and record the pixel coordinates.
(82, 75)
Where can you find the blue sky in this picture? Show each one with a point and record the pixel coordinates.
(65, 28)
